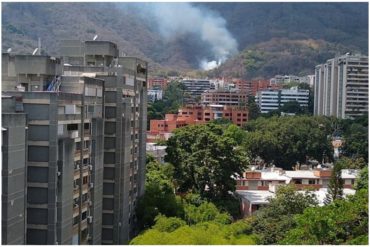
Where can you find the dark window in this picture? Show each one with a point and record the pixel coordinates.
(108, 173)
(37, 195)
(107, 219)
(37, 216)
(71, 127)
(108, 189)
(38, 154)
(36, 237)
(37, 174)
(108, 204)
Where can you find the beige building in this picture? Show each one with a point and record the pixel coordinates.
(341, 87)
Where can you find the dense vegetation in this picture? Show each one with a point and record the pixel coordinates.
(187, 201)
(284, 141)
(341, 222)
(272, 222)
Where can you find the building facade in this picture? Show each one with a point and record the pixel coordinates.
(224, 97)
(84, 146)
(125, 95)
(255, 187)
(270, 100)
(341, 87)
(155, 94)
(157, 83)
(237, 115)
(14, 171)
(194, 88)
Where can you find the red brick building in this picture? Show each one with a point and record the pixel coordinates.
(194, 114)
(237, 115)
(224, 97)
(157, 83)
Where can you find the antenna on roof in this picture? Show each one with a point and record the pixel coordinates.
(34, 52)
(95, 37)
(9, 50)
(39, 46)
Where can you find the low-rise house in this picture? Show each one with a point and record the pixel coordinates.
(256, 186)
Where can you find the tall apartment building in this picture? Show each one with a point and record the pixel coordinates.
(194, 89)
(269, 100)
(125, 94)
(85, 143)
(224, 97)
(341, 87)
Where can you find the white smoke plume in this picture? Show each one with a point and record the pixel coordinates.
(174, 19)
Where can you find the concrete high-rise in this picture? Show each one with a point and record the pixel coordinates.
(124, 129)
(63, 143)
(83, 145)
(341, 87)
(14, 170)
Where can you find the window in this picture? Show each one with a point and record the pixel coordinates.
(72, 127)
(298, 181)
(311, 181)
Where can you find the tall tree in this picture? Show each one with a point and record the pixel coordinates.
(335, 187)
(205, 160)
(254, 110)
(159, 197)
(342, 222)
(272, 221)
(287, 140)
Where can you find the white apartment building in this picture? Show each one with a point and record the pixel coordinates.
(341, 87)
(269, 100)
(155, 94)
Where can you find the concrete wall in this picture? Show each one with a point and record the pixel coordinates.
(66, 148)
(13, 178)
(97, 178)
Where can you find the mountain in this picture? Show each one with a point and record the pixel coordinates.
(279, 32)
(280, 56)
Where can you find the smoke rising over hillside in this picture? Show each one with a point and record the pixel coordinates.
(179, 19)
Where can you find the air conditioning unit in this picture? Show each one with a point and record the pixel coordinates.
(75, 205)
(59, 173)
(89, 202)
(90, 167)
(77, 167)
(91, 185)
(90, 219)
(89, 237)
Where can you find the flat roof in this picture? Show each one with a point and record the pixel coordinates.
(255, 196)
(322, 192)
(349, 173)
(301, 174)
(273, 176)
